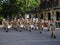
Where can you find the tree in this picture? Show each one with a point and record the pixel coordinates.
(9, 7)
(0, 5)
(28, 5)
(15, 7)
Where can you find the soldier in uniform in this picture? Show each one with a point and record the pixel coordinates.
(31, 24)
(22, 19)
(27, 25)
(11, 22)
(5, 25)
(22, 25)
(40, 26)
(18, 25)
(35, 24)
(15, 24)
(49, 25)
(52, 25)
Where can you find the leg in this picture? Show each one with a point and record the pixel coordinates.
(51, 34)
(29, 29)
(40, 30)
(48, 29)
(54, 36)
(6, 29)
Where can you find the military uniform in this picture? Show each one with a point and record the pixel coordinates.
(48, 25)
(31, 25)
(15, 24)
(35, 25)
(11, 23)
(18, 25)
(5, 25)
(40, 26)
(52, 25)
(22, 25)
(27, 25)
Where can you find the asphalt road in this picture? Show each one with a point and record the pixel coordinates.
(28, 38)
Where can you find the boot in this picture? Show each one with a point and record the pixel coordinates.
(32, 28)
(48, 30)
(29, 30)
(42, 28)
(35, 28)
(20, 31)
(26, 29)
(40, 32)
(51, 36)
(6, 30)
(54, 37)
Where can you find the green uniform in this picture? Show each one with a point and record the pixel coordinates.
(27, 25)
(18, 26)
(52, 25)
(35, 25)
(40, 26)
(15, 25)
(5, 25)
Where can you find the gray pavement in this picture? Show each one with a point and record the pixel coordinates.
(28, 38)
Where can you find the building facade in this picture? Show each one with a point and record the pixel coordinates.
(49, 9)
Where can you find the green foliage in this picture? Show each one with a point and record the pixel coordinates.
(0, 5)
(14, 7)
(1, 17)
(28, 5)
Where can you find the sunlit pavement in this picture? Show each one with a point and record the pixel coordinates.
(28, 38)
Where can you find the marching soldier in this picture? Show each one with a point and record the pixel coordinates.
(18, 25)
(49, 25)
(27, 25)
(22, 25)
(15, 24)
(5, 25)
(40, 26)
(31, 24)
(11, 22)
(22, 20)
(35, 25)
(52, 25)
